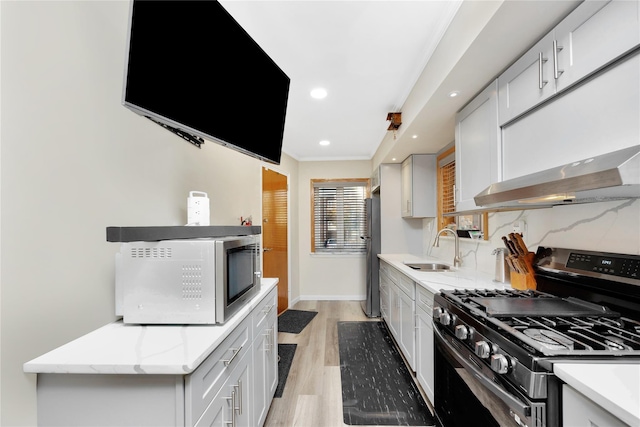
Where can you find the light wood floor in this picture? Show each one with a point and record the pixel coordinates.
(313, 395)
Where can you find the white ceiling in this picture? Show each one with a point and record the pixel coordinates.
(370, 56)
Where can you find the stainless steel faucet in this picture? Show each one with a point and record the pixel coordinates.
(456, 259)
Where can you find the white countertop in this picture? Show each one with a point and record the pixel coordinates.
(133, 349)
(448, 280)
(613, 386)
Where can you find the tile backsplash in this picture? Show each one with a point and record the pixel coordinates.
(604, 226)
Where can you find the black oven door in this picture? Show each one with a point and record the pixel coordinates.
(467, 394)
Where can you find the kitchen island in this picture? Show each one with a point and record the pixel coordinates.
(164, 374)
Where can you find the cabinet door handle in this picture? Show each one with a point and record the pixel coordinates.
(235, 353)
(232, 423)
(541, 82)
(267, 342)
(556, 72)
(238, 387)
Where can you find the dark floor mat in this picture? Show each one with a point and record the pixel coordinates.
(377, 387)
(285, 357)
(294, 321)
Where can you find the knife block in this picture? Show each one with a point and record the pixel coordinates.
(524, 281)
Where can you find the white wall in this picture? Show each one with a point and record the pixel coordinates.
(327, 276)
(398, 235)
(74, 161)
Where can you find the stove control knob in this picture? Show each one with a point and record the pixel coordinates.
(499, 363)
(461, 332)
(482, 349)
(437, 311)
(445, 318)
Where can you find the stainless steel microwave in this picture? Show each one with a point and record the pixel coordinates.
(200, 281)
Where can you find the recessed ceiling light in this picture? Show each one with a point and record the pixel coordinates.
(325, 142)
(414, 136)
(319, 93)
(393, 160)
(454, 94)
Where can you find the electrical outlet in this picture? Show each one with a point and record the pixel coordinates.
(519, 227)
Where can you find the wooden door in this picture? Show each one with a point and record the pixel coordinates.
(275, 256)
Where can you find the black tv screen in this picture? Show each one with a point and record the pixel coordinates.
(193, 69)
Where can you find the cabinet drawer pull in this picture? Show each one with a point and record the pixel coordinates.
(268, 310)
(235, 353)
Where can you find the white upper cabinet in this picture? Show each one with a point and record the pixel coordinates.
(477, 147)
(419, 191)
(597, 117)
(595, 34)
(591, 37)
(527, 82)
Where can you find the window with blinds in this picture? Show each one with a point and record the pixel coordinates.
(339, 216)
(476, 225)
(446, 187)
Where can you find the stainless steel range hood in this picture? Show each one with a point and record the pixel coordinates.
(609, 176)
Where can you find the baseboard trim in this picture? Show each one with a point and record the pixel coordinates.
(332, 298)
(293, 302)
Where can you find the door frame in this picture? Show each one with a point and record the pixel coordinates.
(288, 176)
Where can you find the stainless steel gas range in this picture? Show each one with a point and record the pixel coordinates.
(495, 349)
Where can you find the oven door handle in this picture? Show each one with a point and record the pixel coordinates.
(513, 403)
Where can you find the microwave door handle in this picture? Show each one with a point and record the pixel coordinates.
(513, 403)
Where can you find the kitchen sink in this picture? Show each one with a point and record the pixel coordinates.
(428, 266)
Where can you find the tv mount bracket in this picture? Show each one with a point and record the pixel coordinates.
(197, 141)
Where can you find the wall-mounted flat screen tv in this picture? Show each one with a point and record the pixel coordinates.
(194, 70)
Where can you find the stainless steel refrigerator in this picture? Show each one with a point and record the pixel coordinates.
(371, 305)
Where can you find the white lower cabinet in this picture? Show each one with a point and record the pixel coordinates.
(394, 311)
(246, 366)
(384, 295)
(580, 411)
(265, 366)
(231, 405)
(424, 342)
(407, 337)
(232, 387)
(407, 309)
(397, 297)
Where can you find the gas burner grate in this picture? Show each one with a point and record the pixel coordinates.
(571, 334)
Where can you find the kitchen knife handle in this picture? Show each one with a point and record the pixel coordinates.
(520, 251)
(521, 244)
(509, 246)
